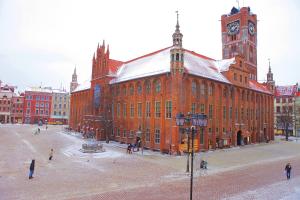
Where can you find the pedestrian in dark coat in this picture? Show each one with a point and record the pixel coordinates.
(51, 154)
(31, 169)
(288, 169)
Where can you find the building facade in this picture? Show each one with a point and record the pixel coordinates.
(141, 97)
(6, 95)
(60, 107)
(286, 107)
(17, 108)
(37, 105)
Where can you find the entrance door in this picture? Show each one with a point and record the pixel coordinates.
(239, 138)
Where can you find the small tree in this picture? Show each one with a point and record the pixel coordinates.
(285, 120)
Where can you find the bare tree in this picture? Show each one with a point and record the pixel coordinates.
(285, 120)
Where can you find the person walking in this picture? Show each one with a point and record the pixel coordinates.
(31, 169)
(51, 154)
(288, 169)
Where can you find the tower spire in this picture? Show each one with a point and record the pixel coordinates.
(269, 66)
(177, 36)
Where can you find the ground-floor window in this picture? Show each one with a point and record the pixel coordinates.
(147, 135)
(157, 136)
(201, 136)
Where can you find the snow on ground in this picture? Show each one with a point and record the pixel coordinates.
(283, 190)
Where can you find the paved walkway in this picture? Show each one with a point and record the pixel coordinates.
(235, 173)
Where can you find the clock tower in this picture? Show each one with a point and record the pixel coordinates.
(239, 37)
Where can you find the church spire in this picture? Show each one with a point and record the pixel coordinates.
(177, 36)
(270, 74)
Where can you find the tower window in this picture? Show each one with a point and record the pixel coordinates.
(177, 56)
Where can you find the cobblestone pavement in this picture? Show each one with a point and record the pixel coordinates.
(252, 172)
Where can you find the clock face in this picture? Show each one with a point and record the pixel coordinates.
(233, 28)
(251, 28)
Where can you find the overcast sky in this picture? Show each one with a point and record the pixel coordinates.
(41, 41)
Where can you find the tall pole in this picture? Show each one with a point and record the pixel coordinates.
(188, 152)
(192, 164)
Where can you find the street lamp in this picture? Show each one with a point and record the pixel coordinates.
(193, 120)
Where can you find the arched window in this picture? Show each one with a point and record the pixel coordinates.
(194, 88)
(139, 89)
(157, 86)
(147, 87)
(211, 90)
(124, 90)
(131, 89)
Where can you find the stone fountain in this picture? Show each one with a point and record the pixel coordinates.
(92, 146)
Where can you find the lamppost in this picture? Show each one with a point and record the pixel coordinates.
(193, 120)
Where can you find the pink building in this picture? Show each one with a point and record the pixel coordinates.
(37, 105)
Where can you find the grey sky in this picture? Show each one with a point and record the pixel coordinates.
(43, 40)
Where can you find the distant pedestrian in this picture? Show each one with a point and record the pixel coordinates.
(51, 154)
(129, 148)
(31, 169)
(46, 127)
(288, 169)
(39, 130)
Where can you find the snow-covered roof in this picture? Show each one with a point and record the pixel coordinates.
(38, 89)
(223, 65)
(258, 87)
(59, 91)
(159, 63)
(84, 86)
(289, 90)
(202, 67)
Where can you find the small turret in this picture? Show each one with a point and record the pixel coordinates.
(177, 52)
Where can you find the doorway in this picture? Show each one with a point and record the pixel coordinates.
(239, 138)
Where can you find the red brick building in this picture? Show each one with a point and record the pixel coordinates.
(37, 105)
(141, 97)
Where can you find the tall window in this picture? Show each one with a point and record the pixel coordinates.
(148, 109)
(168, 109)
(118, 109)
(193, 108)
(124, 110)
(118, 132)
(124, 91)
(139, 109)
(210, 90)
(210, 111)
(201, 136)
(139, 89)
(224, 112)
(148, 87)
(157, 86)
(157, 136)
(147, 135)
(124, 133)
(131, 110)
(236, 114)
(242, 113)
(131, 89)
(230, 113)
(157, 109)
(202, 89)
(202, 108)
(194, 88)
